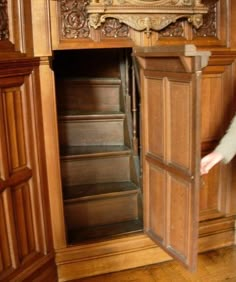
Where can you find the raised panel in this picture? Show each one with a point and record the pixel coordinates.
(179, 198)
(22, 211)
(157, 200)
(216, 82)
(13, 117)
(179, 124)
(210, 191)
(155, 107)
(211, 96)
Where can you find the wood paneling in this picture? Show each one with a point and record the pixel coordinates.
(25, 231)
(217, 108)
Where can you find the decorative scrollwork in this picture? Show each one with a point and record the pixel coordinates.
(74, 19)
(114, 28)
(144, 22)
(4, 30)
(146, 15)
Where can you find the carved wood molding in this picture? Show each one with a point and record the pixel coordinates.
(146, 15)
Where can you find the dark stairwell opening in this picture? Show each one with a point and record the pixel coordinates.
(98, 123)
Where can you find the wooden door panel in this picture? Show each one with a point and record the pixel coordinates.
(170, 209)
(170, 102)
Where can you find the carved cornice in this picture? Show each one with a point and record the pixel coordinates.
(4, 30)
(146, 14)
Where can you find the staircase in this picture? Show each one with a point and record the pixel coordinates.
(100, 179)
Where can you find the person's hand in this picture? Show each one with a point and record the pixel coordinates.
(209, 161)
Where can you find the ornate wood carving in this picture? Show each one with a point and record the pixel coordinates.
(74, 22)
(208, 28)
(4, 30)
(114, 28)
(174, 30)
(115, 17)
(146, 15)
(74, 19)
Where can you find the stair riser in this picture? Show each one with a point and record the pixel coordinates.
(100, 132)
(100, 212)
(97, 170)
(82, 97)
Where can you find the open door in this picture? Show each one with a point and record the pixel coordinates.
(170, 120)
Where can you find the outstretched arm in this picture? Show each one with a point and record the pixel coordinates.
(225, 151)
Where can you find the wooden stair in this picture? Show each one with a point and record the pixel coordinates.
(100, 181)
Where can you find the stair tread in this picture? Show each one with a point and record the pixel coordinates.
(80, 115)
(98, 189)
(104, 231)
(80, 150)
(71, 151)
(92, 80)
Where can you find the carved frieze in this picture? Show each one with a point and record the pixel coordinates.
(146, 15)
(114, 18)
(145, 21)
(4, 29)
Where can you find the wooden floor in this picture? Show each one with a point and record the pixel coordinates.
(219, 265)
